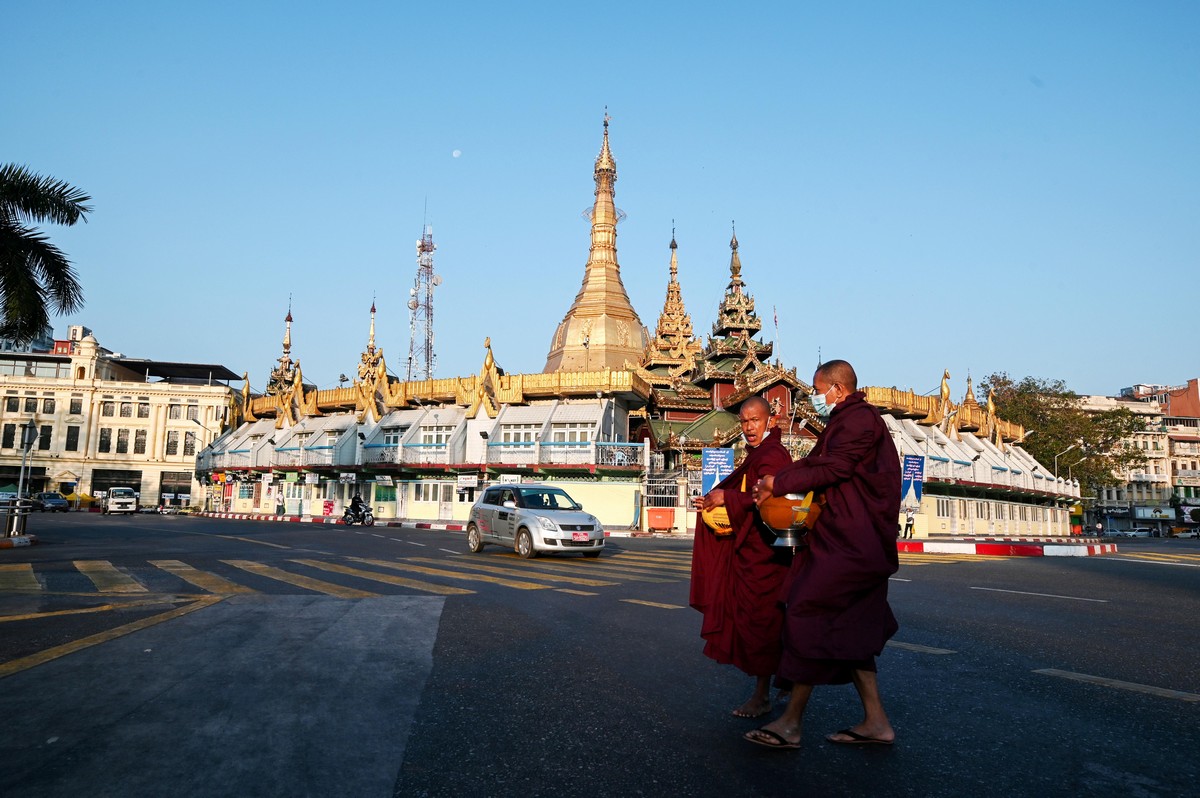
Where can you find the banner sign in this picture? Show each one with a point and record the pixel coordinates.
(715, 465)
(347, 478)
(912, 477)
(468, 480)
(382, 479)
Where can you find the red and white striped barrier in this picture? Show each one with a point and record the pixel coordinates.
(999, 547)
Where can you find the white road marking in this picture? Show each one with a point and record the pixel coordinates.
(897, 579)
(920, 649)
(1044, 595)
(1162, 692)
(450, 551)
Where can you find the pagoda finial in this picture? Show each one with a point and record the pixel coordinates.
(605, 161)
(371, 340)
(735, 262)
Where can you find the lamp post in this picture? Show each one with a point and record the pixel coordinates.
(1060, 454)
(29, 434)
(1072, 465)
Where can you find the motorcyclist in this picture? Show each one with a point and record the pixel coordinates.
(356, 507)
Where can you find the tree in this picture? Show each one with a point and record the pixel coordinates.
(1103, 440)
(35, 275)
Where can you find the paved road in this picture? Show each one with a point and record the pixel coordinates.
(177, 656)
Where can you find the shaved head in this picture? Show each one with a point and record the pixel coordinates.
(755, 403)
(840, 372)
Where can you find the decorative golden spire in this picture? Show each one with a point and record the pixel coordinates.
(285, 368)
(601, 328)
(732, 350)
(674, 350)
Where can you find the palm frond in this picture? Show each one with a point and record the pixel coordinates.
(40, 199)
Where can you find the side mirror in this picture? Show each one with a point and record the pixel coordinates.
(510, 505)
(578, 506)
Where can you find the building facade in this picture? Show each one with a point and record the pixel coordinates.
(104, 420)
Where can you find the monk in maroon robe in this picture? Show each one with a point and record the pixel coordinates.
(736, 580)
(837, 617)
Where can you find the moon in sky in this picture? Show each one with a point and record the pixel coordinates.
(456, 153)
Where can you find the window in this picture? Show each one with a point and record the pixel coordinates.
(76, 405)
(189, 444)
(193, 412)
(245, 490)
(12, 404)
(174, 411)
(143, 410)
(126, 409)
(47, 406)
(943, 508)
(107, 408)
(392, 435)
(573, 432)
(105, 443)
(30, 404)
(173, 442)
(436, 435)
(9, 439)
(72, 444)
(385, 493)
(122, 441)
(139, 442)
(432, 492)
(520, 433)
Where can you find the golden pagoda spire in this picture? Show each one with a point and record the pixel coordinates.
(674, 349)
(285, 368)
(601, 328)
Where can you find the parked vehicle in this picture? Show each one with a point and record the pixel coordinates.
(533, 519)
(121, 500)
(1188, 533)
(363, 516)
(50, 501)
(1137, 532)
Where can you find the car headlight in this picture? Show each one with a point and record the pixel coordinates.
(547, 523)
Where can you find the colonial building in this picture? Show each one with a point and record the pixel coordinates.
(617, 416)
(105, 420)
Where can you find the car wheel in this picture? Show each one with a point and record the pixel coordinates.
(592, 554)
(474, 539)
(525, 545)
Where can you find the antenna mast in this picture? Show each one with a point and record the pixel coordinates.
(421, 358)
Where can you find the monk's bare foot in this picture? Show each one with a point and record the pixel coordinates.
(863, 735)
(775, 734)
(754, 708)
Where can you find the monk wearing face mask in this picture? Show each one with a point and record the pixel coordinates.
(837, 618)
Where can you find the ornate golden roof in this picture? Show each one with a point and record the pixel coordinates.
(732, 349)
(670, 357)
(601, 328)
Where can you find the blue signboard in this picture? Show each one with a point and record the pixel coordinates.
(715, 465)
(912, 477)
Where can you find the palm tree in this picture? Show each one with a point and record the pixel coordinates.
(35, 274)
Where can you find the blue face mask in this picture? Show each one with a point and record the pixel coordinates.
(818, 403)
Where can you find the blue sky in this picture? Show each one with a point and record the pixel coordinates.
(918, 186)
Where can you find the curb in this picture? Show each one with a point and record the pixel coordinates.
(999, 547)
(17, 541)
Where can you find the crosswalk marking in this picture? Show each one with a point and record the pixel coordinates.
(18, 577)
(495, 569)
(654, 604)
(107, 578)
(907, 558)
(595, 567)
(308, 583)
(1188, 560)
(420, 569)
(201, 579)
(428, 587)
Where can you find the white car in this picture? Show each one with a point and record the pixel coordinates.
(533, 519)
(1137, 532)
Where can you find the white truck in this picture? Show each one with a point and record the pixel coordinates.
(121, 500)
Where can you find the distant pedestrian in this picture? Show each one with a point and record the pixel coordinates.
(910, 518)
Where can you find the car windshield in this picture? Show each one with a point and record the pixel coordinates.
(543, 499)
(121, 493)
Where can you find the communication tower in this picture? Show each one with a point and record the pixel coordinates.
(421, 358)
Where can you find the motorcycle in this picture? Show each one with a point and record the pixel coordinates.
(363, 516)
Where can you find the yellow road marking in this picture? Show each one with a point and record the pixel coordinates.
(920, 649)
(597, 568)
(201, 579)
(496, 580)
(107, 578)
(87, 610)
(428, 587)
(18, 577)
(623, 561)
(308, 583)
(654, 604)
(574, 592)
(24, 663)
(1162, 692)
(495, 569)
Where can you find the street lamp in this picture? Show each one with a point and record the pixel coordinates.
(1060, 454)
(1072, 465)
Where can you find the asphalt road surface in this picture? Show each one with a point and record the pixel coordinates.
(155, 656)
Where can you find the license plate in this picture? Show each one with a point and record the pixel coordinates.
(580, 537)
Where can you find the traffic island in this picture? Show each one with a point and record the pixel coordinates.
(17, 541)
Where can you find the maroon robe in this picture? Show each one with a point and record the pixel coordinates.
(837, 615)
(736, 580)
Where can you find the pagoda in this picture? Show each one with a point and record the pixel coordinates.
(601, 329)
